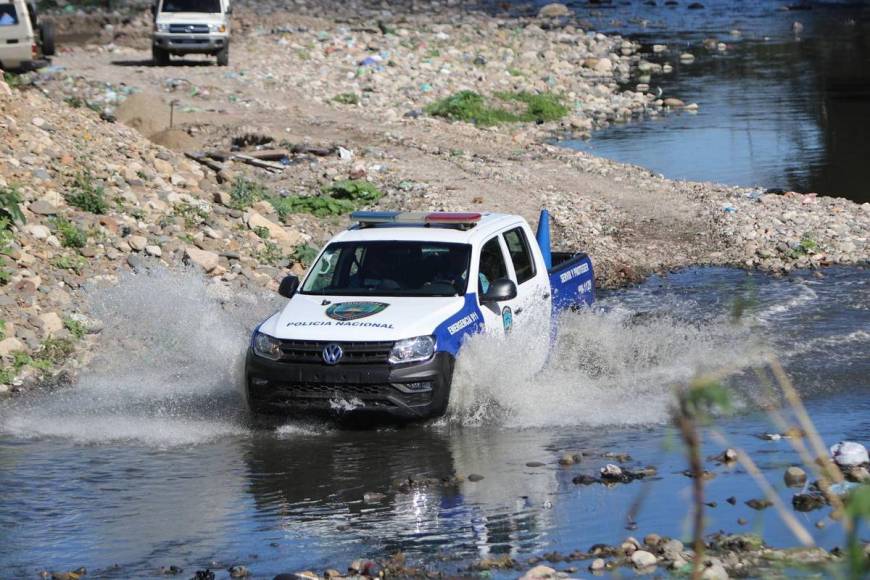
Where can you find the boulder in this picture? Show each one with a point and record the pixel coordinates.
(848, 453)
(643, 559)
(206, 260)
(10, 345)
(539, 573)
(138, 243)
(277, 233)
(554, 10)
(795, 476)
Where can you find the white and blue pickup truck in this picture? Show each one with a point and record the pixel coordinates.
(375, 326)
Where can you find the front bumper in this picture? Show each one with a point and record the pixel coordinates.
(191, 43)
(350, 389)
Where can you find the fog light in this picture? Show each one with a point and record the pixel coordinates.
(420, 387)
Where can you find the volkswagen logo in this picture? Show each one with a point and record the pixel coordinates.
(191, 28)
(332, 353)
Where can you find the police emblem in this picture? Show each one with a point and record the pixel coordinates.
(345, 311)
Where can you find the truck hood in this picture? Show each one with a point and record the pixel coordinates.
(360, 318)
(190, 18)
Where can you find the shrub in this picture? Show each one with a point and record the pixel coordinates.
(539, 107)
(74, 263)
(271, 254)
(10, 197)
(87, 195)
(262, 232)
(192, 215)
(356, 190)
(244, 193)
(346, 99)
(71, 236)
(75, 328)
(2, 329)
(304, 254)
(5, 244)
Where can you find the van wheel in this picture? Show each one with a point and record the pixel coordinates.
(160, 56)
(223, 57)
(46, 37)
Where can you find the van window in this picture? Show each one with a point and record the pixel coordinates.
(492, 266)
(521, 256)
(8, 15)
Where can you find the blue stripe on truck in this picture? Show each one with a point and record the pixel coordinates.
(573, 284)
(468, 320)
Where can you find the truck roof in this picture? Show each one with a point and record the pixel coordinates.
(488, 224)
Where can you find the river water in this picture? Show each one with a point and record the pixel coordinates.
(778, 108)
(151, 461)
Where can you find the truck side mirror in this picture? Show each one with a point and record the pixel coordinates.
(500, 290)
(288, 286)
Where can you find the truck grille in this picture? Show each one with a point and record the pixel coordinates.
(370, 393)
(188, 28)
(311, 351)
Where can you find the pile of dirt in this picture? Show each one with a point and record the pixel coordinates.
(145, 112)
(174, 139)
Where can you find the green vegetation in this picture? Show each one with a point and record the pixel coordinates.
(472, 107)
(74, 263)
(87, 195)
(262, 232)
(339, 198)
(6, 239)
(271, 254)
(304, 254)
(244, 193)
(10, 197)
(13, 80)
(2, 329)
(75, 328)
(71, 236)
(346, 99)
(193, 215)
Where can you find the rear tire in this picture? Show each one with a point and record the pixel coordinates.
(46, 37)
(223, 57)
(160, 56)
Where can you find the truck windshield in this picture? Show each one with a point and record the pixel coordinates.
(209, 6)
(390, 269)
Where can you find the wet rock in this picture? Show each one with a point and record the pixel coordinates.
(643, 559)
(672, 549)
(540, 573)
(363, 568)
(674, 103)
(535, 464)
(332, 573)
(304, 575)
(806, 502)
(732, 500)
(567, 459)
(795, 476)
(849, 453)
(203, 575)
(170, 570)
(597, 565)
(238, 572)
(652, 540)
(759, 504)
(373, 497)
(583, 479)
(475, 477)
(714, 570)
(611, 472)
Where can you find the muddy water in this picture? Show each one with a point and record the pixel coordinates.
(778, 109)
(150, 461)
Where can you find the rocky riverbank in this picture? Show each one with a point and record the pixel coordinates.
(341, 106)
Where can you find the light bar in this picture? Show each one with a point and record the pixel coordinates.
(415, 217)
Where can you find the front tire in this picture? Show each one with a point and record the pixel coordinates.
(46, 37)
(160, 56)
(223, 57)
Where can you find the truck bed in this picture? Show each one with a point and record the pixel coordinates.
(572, 280)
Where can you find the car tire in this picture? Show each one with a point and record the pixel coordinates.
(46, 38)
(223, 56)
(160, 56)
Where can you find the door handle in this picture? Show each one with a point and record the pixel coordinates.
(546, 295)
(518, 311)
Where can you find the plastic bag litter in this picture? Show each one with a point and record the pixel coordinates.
(847, 453)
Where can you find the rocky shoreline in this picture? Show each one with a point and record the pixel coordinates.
(344, 94)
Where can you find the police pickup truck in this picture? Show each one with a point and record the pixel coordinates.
(375, 326)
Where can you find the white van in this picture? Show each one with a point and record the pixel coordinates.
(24, 42)
(191, 27)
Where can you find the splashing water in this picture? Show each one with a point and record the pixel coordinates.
(167, 370)
(609, 366)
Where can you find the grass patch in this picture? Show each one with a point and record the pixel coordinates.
(75, 328)
(191, 214)
(10, 197)
(304, 254)
(271, 254)
(73, 263)
(346, 99)
(86, 195)
(338, 198)
(71, 236)
(262, 232)
(474, 108)
(2, 329)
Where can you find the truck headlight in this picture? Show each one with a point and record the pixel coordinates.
(266, 346)
(217, 27)
(415, 349)
(162, 27)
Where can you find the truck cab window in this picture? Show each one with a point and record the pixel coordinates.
(492, 266)
(8, 15)
(521, 256)
(207, 6)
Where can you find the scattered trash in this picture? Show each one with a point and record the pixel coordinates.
(345, 154)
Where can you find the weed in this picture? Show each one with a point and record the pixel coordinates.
(262, 232)
(71, 236)
(515, 72)
(2, 329)
(355, 190)
(7, 375)
(74, 263)
(10, 197)
(346, 99)
(75, 328)
(271, 254)
(472, 107)
(13, 80)
(244, 193)
(193, 215)
(304, 254)
(87, 195)
(5, 243)
(433, 53)
(54, 351)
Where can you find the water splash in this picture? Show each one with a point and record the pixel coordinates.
(609, 366)
(167, 370)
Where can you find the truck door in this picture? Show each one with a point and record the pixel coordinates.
(532, 310)
(492, 265)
